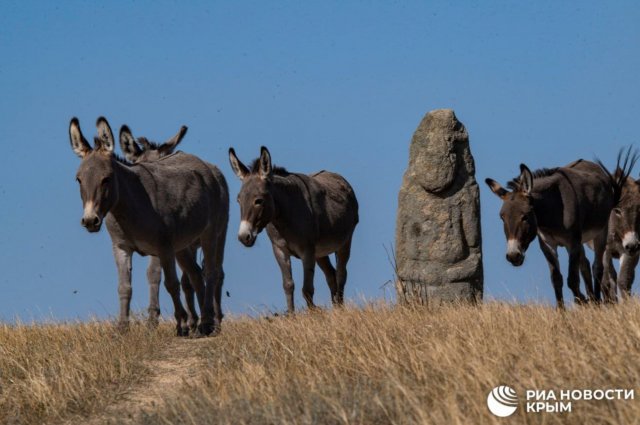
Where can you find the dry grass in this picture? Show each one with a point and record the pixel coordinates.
(397, 365)
(375, 365)
(51, 372)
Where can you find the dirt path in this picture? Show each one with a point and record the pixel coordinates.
(178, 363)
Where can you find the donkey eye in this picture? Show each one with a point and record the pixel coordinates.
(617, 211)
(259, 201)
(105, 181)
(525, 218)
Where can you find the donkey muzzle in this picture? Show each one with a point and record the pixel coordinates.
(247, 240)
(92, 222)
(247, 235)
(514, 253)
(515, 258)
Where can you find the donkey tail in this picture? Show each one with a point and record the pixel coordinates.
(625, 162)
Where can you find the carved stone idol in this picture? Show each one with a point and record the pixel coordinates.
(438, 239)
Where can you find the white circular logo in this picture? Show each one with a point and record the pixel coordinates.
(502, 401)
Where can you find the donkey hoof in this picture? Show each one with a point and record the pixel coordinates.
(197, 334)
(315, 309)
(205, 329)
(581, 301)
(209, 329)
(122, 327)
(152, 322)
(182, 332)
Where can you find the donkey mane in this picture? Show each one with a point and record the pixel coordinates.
(514, 184)
(152, 145)
(278, 171)
(624, 165)
(121, 160)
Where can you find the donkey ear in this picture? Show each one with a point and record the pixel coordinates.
(265, 163)
(496, 188)
(169, 146)
(526, 179)
(618, 174)
(104, 135)
(144, 142)
(237, 166)
(78, 143)
(128, 144)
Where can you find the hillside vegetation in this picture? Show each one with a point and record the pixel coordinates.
(374, 365)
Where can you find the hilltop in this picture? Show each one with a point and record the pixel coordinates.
(373, 365)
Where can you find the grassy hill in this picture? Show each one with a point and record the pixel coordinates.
(374, 365)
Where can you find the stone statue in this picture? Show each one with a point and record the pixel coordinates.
(438, 239)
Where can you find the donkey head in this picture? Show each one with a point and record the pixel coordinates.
(626, 216)
(517, 214)
(257, 207)
(143, 150)
(98, 185)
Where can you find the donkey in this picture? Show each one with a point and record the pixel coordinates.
(142, 150)
(159, 208)
(566, 206)
(623, 241)
(139, 151)
(307, 216)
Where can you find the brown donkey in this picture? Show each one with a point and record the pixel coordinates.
(566, 206)
(623, 241)
(307, 216)
(159, 208)
(141, 151)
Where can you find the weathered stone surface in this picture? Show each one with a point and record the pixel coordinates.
(438, 239)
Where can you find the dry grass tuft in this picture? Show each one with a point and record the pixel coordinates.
(50, 372)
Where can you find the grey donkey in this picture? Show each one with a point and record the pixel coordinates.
(623, 241)
(140, 151)
(306, 216)
(159, 208)
(565, 206)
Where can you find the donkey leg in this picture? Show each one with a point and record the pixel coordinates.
(573, 279)
(284, 262)
(154, 275)
(309, 268)
(218, 261)
(187, 289)
(585, 271)
(123, 263)
(599, 251)
(609, 279)
(172, 284)
(551, 254)
(613, 274)
(330, 274)
(197, 281)
(213, 250)
(342, 258)
(191, 280)
(628, 265)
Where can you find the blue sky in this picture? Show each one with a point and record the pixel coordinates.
(325, 85)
